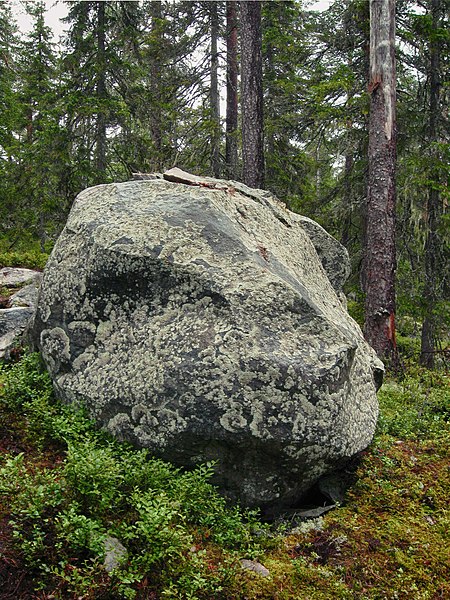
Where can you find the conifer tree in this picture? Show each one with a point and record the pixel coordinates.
(96, 71)
(39, 155)
(253, 171)
(214, 90)
(284, 55)
(231, 142)
(8, 112)
(436, 259)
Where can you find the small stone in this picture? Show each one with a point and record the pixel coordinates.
(116, 554)
(176, 175)
(256, 567)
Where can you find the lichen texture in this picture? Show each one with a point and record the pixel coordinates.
(207, 322)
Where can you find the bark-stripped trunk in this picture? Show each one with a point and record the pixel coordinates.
(100, 130)
(430, 293)
(252, 94)
(155, 79)
(214, 91)
(231, 143)
(380, 257)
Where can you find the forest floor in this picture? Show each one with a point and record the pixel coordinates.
(67, 491)
(65, 487)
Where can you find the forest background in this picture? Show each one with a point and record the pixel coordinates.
(143, 86)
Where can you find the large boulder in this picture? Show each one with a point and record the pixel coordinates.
(205, 321)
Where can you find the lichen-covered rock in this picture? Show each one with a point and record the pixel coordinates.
(13, 322)
(11, 277)
(204, 322)
(19, 308)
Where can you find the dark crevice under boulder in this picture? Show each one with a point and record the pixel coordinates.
(207, 322)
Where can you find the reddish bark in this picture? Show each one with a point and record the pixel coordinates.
(231, 148)
(214, 96)
(380, 255)
(252, 94)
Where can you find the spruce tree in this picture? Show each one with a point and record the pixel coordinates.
(97, 68)
(8, 113)
(425, 260)
(38, 147)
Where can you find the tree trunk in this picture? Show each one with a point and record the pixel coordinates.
(430, 293)
(214, 91)
(231, 142)
(270, 105)
(348, 196)
(252, 94)
(380, 257)
(100, 131)
(155, 80)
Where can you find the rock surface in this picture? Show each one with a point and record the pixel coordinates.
(16, 276)
(20, 306)
(256, 567)
(203, 320)
(115, 554)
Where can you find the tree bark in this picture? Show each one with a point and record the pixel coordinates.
(214, 91)
(380, 255)
(252, 94)
(270, 108)
(100, 130)
(231, 142)
(155, 81)
(430, 293)
(348, 195)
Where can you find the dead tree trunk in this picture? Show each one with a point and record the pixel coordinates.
(380, 256)
(252, 94)
(231, 142)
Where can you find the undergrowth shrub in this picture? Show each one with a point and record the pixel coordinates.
(415, 406)
(28, 260)
(62, 515)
